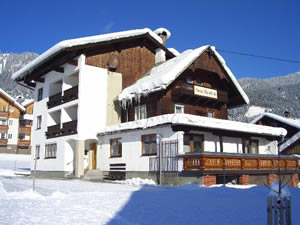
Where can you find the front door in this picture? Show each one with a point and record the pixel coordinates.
(92, 156)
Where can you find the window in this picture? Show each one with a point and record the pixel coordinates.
(50, 151)
(140, 112)
(3, 135)
(178, 108)
(37, 151)
(40, 94)
(211, 114)
(21, 136)
(38, 122)
(116, 147)
(193, 143)
(250, 146)
(4, 108)
(10, 122)
(3, 122)
(9, 136)
(149, 145)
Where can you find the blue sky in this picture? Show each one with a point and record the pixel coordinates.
(267, 28)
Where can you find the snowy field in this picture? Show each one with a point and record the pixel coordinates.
(128, 203)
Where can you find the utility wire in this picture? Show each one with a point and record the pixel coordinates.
(258, 56)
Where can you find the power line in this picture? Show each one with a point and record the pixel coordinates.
(258, 56)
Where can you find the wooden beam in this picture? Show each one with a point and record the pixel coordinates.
(59, 69)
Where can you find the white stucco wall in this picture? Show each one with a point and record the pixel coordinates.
(131, 148)
(14, 130)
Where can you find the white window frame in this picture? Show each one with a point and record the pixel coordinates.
(212, 113)
(3, 122)
(140, 112)
(180, 107)
(4, 108)
(2, 135)
(9, 136)
(38, 122)
(10, 122)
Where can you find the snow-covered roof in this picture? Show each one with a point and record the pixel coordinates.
(161, 76)
(79, 42)
(196, 121)
(291, 122)
(15, 103)
(290, 141)
(27, 102)
(162, 30)
(174, 51)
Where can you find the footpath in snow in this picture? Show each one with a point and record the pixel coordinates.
(131, 202)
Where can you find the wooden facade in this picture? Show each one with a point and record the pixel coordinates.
(205, 72)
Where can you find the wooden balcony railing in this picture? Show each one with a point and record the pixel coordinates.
(24, 142)
(3, 141)
(69, 128)
(3, 127)
(25, 130)
(53, 131)
(58, 99)
(221, 161)
(25, 123)
(3, 114)
(55, 100)
(70, 94)
(181, 89)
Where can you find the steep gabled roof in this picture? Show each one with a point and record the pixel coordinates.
(81, 43)
(290, 122)
(12, 100)
(290, 141)
(161, 76)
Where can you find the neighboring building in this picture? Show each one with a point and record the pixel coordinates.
(291, 143)
(15, 137)
(111, 103)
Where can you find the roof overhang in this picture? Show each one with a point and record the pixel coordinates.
(67, 50)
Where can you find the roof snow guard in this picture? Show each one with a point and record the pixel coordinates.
(196, 121)
(161, 76)
(50, 53)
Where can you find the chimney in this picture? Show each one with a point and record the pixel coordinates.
(163, 33)
(160, 55)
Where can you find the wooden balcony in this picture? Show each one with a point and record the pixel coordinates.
(53, 131)
(25, 123)
(25, 130)
(55, 100)
(3, 114)
(226, 161)
(3, 141)
(24, 143)
(4, 127)
(199, 94)
(70, 94)
(69, 128)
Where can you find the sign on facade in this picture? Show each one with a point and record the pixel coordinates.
(206, 92)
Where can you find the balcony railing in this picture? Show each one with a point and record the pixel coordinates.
(3, 141)
(25, 130)
(24, 142)
(55, 100)
(58, 99)
(3, 114)
(70, 94)
(68, 128)
(4, 127)
(221, 161)
(182, 89)
(53, 131)
(25, 123)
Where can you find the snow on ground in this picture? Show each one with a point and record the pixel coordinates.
(81, 202)
(11, 164)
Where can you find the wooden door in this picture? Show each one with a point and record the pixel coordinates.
(93, 155)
